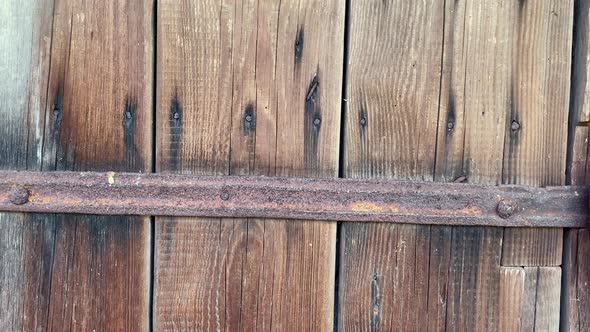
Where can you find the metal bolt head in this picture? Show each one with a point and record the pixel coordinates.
(450, 125)
(18, 195)
(506, 208)
(224, 195)
(317, 122)
(248, 118)
(176, 115)
(128, 115)
(363, 121)
(515, 125)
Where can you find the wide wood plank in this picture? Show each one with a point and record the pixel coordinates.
(541, 293)
(25, 33)
(247, 88)
(391, 112)
(87, 106)
(536, 138)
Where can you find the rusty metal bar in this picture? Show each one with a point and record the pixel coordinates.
(293, 198)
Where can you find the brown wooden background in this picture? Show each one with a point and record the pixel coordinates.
(483, 91)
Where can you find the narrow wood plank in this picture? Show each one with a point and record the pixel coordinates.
(475, 91)
(541, 293)
(511, 298)
(579, 161)
(576, 281)
(536, 136)
(247, 88)
(576, 254)
(87, 107)
(392, 103)
(25, 38)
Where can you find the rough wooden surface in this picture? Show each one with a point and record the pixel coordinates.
(541, 299)
(82, 67)
(575, 299)
(511, 297)
(247, 88)
(535, 153)
(392, 73)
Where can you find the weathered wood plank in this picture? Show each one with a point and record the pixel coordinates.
(511, 297)
(536, 135)
(390, 132)
(575, 299)
(475, 89)
(247, 88)
(87, 106)
(25, 35)
(541, 294)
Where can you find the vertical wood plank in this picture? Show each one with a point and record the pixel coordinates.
(576, 281)
(87, 107)
(475, 90)
(575, 297)
(25, 35)
(541, 293)
(391, 112)
(247, 88)
(536, 137)
(511, 298)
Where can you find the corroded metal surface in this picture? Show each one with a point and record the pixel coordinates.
(293, 198)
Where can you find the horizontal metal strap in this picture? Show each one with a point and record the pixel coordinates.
(293, 198)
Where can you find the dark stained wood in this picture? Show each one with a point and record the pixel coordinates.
(575, 298)
(390, 132)
(86, 64)
(24, 66)
(535, 153)
(247, 88)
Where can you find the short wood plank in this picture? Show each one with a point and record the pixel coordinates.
(390, 132)
(541, 293)
(247, 88)
(511, 297)
(536, 134)
(87, 107)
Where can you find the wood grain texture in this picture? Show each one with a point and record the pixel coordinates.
(535, 153)
(25, 35)
(575, 299)
(247, 88)
(390, 132)
(87, 107)
(578, 162)
(511, 297)
(575, 286)
(541, 294)
(474, 101)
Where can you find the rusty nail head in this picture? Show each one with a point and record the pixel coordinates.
(248, 118)
(363, 121)
(515, 125)
(176, 115)
(18, 195)
(506, 208)
(224, 195)
(317, 121)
